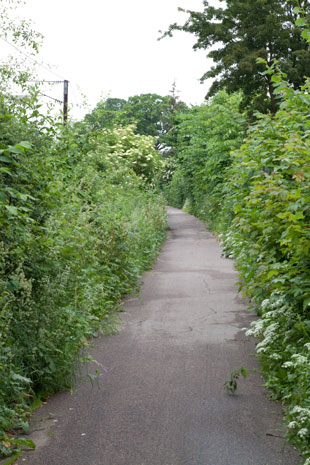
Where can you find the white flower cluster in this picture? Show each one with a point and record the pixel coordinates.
(302, 420)
(270, 335)
(275, 356)
(265, 304)
(256, 329)
(301, 410)
(301, 424)
(303, 433)
(268, 327)
(292, 425)
(275, 302)
(287, 364)
(230, 244)
(298, 361)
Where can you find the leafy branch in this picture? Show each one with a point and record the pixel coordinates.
(232, 384)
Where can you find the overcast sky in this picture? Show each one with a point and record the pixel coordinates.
(110, 48)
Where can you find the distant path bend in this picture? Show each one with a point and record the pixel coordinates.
(160, 399)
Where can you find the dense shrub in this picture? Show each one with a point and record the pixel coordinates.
(176, 190)
(258, 197)
(207, 134)
(80, 220)
(270, 240)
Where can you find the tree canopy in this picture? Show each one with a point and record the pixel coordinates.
(153, 114)
(106, 113)
(242, 31)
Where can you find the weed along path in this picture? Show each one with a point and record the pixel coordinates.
(160, 398)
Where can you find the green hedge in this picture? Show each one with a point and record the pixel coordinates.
(77, 229)
(258, 198)
(270, 239)
(207, 135)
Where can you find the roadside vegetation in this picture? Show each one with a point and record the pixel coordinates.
(246, 175)
(81, 218)
(82, 205)
(254, 194)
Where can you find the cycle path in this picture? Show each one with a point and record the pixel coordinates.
(160, 398)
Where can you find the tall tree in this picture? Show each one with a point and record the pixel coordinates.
(149, 112)
(172, 121)
(242, 31)
(153, 114)
(106, 113)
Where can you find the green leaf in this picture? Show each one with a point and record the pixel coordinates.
(25, 144)
(15, 149)
(300, 22)
(13, 458)
(276, 78)
(23, 442)
(306, 303)
(272, 273)
(18, 377)
(6, 159)
(6, 171)
(243, 371)
(283, 216)
(3, 196)
(306, 34)
(12, 210)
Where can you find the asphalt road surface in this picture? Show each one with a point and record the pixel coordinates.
(160, 398)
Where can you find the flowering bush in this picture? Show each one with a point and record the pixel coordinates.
(120, 152)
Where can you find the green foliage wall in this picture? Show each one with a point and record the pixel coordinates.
(255, 192)
(270, 240)
(207, 134)
(80, 220)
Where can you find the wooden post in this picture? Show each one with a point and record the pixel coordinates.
(65, 110)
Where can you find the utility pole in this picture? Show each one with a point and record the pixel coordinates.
(65, 110)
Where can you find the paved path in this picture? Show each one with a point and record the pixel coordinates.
(160, 399)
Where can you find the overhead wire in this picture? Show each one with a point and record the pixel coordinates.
(39, 81)
(47, 69)
(52, 98)
(32, 59)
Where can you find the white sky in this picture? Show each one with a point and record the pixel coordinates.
(110, 48)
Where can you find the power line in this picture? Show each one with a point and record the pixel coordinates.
(43, 80)
(22, 97)
(30, 58)
(64, 81)
(52, 98)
